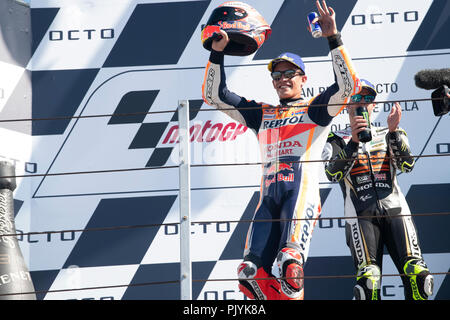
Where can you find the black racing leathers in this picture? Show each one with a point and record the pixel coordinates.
(366, 173)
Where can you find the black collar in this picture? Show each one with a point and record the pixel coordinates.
(288, 102)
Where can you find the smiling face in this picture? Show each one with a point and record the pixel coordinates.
(289, 88)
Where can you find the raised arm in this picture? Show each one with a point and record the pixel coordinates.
(216, 94)
(397, 141)
(346, 80)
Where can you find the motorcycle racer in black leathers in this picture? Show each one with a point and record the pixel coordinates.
(366, 173)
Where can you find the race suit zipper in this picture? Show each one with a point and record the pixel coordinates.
(372, 176)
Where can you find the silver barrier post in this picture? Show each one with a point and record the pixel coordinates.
(185, 201)
(15, 277)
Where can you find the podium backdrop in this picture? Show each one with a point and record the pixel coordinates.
(64, 61)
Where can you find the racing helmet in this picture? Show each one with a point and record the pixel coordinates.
(245, 27)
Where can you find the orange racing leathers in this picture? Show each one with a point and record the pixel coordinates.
(292, 132)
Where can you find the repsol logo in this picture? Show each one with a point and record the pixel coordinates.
(384, 17)
(272, 124)
(85, 34)
(307, 227)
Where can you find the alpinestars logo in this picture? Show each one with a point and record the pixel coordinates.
(345, 76)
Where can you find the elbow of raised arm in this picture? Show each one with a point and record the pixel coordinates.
(206, 100)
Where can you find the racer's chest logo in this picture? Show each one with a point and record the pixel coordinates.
(278, 123)
(276, 135)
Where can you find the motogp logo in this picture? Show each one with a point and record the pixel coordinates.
(208, 132)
